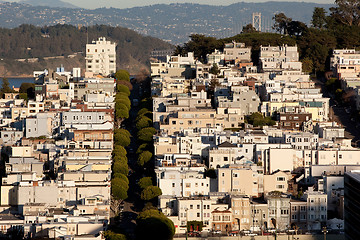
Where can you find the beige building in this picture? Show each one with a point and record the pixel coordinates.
(237, 52)
(278, 181)
(244, 181)
(241, 210)
(223, 155)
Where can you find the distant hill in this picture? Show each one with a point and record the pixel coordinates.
(28, 41)
(172, 22)
(49, 3)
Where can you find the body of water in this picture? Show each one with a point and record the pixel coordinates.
(16, 82)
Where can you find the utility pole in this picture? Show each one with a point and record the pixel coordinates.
(324, 230)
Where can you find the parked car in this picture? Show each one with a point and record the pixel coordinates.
(194, 234)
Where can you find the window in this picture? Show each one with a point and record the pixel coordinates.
(191, 206)
(280, 179)
(226, 159)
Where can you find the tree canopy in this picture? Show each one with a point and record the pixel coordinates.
(119, 189)
(121, 137)
(146, 134)
(152, 222)
(150, 193)
(144, 157)
(145, 182)
(258, 120)
(122, 88)
(5, 88)
(122, 75)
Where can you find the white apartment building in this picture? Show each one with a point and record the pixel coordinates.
(186, 182)
(279, 58)
(237, 52)
(317, 208)
(279, 209)
(101, 57)
(195, 209)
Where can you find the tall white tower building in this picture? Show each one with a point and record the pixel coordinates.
(101, 57)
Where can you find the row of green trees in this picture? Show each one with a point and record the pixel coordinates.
(150, 222)
(122, 101)
(122, 139)
(120, 168)
(145, 135)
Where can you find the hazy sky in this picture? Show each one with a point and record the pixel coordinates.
(134, 3)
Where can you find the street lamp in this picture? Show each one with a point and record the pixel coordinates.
(324, 230)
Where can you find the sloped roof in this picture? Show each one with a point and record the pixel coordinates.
(227, 145)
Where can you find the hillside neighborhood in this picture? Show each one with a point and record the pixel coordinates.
(212, 148)
(245, 149)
